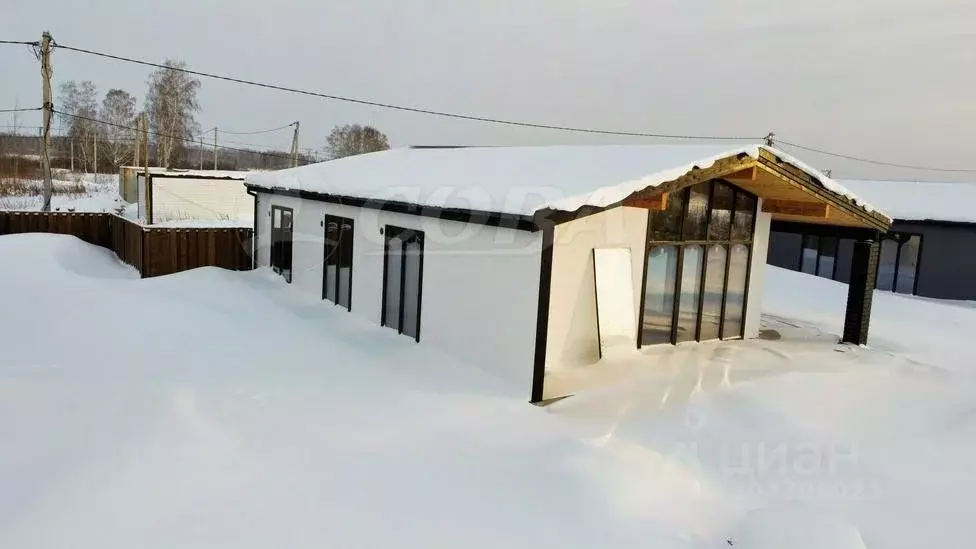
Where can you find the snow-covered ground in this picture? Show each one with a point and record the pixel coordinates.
(96, 194)
(220, 409)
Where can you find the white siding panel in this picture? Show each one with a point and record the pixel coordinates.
(480, 284)
(757, 272)
(182, 198)
(141, 183)
(572, 339)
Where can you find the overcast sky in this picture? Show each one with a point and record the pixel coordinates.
(885, 79)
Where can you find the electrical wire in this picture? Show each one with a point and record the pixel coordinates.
(183, 139)
(257, 132)
(21, 110)
(391, 106)
(20, 42)
(875, 162)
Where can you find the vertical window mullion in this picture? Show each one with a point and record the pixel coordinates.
(894, 281)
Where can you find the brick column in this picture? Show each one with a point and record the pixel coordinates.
(864, 271)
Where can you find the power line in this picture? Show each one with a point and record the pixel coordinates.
(418, 110)
(183, 139)
(21, 110)
(257, 132)
(875, 162)
(22, 43)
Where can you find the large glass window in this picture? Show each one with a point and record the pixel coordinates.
(808, 257)
(898, 263)
(735, 294)
(281, 241)
(696, 216)
(403, 280)
(662, 271)
(828, 257)
(720, 222)
(691, 273)
(908, 265)
(337, 274)
(711, 312)
(697, 265)
(886, 264)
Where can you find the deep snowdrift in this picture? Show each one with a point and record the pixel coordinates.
(219, 409)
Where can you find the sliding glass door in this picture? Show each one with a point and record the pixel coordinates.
(403, 273)
(698, 253)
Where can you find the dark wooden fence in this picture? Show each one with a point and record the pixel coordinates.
(152, 251)
(91, 227)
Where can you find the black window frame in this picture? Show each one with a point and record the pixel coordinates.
(341, 253)
(280, 249)
(901, 239)
(406, 236)
(650, 242)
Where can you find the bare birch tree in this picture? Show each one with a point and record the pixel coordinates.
(171, 102)
(119, 115)
(80, 101)
(353, 139)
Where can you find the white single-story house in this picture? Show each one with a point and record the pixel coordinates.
(530, 260)
(169, 195)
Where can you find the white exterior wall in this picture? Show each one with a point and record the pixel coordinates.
(757, 272)
(572, 337)
(181, 198)
(480, 284)
(141, 184)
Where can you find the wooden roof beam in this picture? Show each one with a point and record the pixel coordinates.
(819, 210)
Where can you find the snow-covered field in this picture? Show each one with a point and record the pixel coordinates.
(97, 194)
(219, 409)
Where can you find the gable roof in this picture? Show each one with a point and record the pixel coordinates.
(519, 180)
(920, 201)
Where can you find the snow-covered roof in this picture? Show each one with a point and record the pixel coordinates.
(919, 201)
(197, 174)
(514, 180)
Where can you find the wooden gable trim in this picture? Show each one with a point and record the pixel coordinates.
(653, 195)
(774, 165)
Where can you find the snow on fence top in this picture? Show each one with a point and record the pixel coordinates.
(920, 201)
(514, 180)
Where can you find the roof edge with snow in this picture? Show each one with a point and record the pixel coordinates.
(323, 186)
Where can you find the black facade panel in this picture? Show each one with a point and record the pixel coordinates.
(845, 253)
(784, 250)
(947, 267)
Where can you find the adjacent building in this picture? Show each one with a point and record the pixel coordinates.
(187, 196)
(533, 260)
(926, 251)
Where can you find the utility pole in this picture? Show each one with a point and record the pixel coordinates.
(48, 107)
(73, 155)
(95, 155)
(201, 152)
(294, 146)
(144, 127)
(215, 147)
(136, 148)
